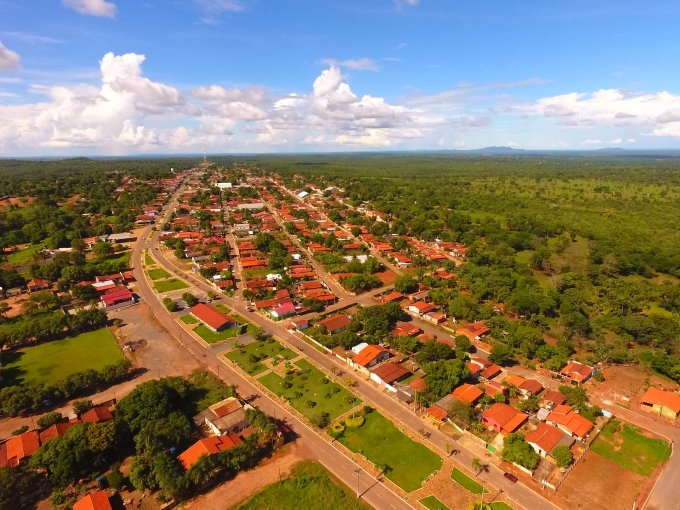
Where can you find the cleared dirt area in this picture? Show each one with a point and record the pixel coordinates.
(599, 483)
(387, 277)
(6, 203)
(624, 384)
(249, 482)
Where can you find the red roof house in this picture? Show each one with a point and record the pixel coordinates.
(564, 417)
(96, 415)
(93, 501)
(212, 317)
(207, 446)
(662, 402)
(18, 448)
(576, 373)
(335, 323)
(371, 355)
(503, 418)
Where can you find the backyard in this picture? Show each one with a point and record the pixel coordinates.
(249, 357)
(311, 392)
(407, 463)
(53, 361)
(629, 447)
(310, 486)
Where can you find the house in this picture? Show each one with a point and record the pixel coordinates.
(564, 417)
(406, 329)
(371, 355)
(228, 415)
(576, 373)
(298, 324)
(93, 501)
(491, 371)
(207, 446)
(660, 402)
(391, 297)
(494, 388)
(283, 310)
(18, 448)
(552, 398)
(212, 317)
(37, 284)
(97, 414)
(435, 317)
(527, 387)
(335, 323)
(503, 418)
(467, 393)
(421, 308)
(55, 430)
(388, 373)
(546, 438)
(474, 330)
(118, 298)
(122, 237)
(437, 413)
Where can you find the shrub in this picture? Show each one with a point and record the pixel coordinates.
(354, 422)
(336, 430)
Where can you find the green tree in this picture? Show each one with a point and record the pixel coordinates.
(102, 249)
(500, 353)
(49, 419)
(517, 450)
(563, 456)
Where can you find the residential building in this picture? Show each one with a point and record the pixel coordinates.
(576, 373)
(335, 323)
(213, 318)
(570, 422)
(93, 501)
(660, 402)
(503, 418)
(546, 438)
(18, 448)
(371, 355)
(207, 446)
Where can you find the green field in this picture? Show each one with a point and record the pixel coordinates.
(188, 319)
(25, 255)
(458, 476)
(500, 505)
(408, 463)
(432, 503)
(211, 337)
(158, 273)
(148, 260)
(310, 385)
(249, 357)
(310, 486)
(53, 361)
(169, 285)
(628, 447)
(123, 256)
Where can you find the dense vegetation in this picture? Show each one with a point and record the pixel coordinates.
(583, 251)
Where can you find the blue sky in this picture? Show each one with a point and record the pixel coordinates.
(149, 76)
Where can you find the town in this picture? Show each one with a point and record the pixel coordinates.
(248, 316)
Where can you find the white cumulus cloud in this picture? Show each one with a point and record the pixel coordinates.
(9, 60)
(100, 8)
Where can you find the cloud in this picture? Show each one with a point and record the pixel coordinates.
(211, 10)
(400, 4)
(659, 111)
(100, 8)
(9, 60)
(30, 38)
(361, 64)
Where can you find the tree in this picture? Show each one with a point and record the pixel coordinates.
(500, 353)
(49, 419)
(477, 465)
(433, 351)
(406, 284)
(563, 456)
(442, 376)
(463, 344)
(102, 249)
(20, 487)
(190, 299)
(170, 304)
(461, 413)
(517, 450)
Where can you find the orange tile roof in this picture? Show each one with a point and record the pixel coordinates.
(207, 446)
(467, 393)
(93, 501)
(335, 322)
(210, 315)
(507, 417)
(577, 371)
(665, 398)
(437, 412)
(546, 437)
(515, 380)
(56, 430)
(564, 415)
(17, 448)
(368, 354)
(96, 414)
(390, 372)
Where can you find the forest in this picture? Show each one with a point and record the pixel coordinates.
(583, 252)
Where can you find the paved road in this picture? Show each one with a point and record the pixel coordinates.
(372, 490)
(520, 494)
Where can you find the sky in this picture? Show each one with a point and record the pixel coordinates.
(124, 77)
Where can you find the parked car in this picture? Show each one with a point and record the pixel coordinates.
(510, 477)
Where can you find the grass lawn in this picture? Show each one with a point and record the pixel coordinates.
(628, 447)
(123, 256)
(52, 361)
(169, 285)
(500, 505)
(310, 486)
(249, 356)
(408, 463)
(158, 273)
(310, 385)
(148, 260)
(211, 337)
(188, 319)
(25, 255)
(458, 476)
(433, 503)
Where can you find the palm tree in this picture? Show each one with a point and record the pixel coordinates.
(477, 465)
